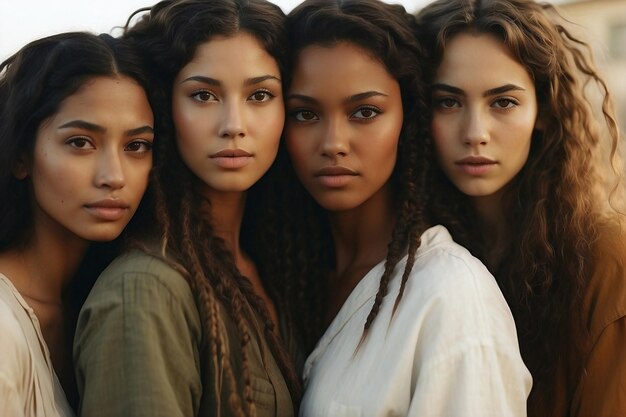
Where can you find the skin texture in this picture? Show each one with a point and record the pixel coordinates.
(228, 97)
(345, 117)
(485, 106)
(91, 160)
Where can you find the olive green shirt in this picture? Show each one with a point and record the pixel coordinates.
(139, 350)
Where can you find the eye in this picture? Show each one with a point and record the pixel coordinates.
(261, 96)
(139, 146)
(366, 113)
(203, 96)
(505, 103)
(446, 102)
(304, 115)
(80, 142)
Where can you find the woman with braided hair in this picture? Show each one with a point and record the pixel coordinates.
(415, 326)
(523, 183)
(183, 325)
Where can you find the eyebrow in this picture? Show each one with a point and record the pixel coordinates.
(351, 99)
(217, 83)
(81, 124)
(491, 92)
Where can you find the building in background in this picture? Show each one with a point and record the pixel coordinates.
(603, 24)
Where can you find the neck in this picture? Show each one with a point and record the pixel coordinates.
(41, 269)
(361, 235)
(226, 214)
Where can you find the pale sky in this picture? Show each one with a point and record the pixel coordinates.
(22, 21)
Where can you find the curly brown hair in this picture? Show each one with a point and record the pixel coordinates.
(301, 248)
(554, 207)
(167, 37)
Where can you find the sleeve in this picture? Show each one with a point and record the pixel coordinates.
(468, 363)
(602, 392)
(14, 363)
(136, 347)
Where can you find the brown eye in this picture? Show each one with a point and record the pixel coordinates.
(261, 96)
(366, 113)
(203, 96)
(304, 115)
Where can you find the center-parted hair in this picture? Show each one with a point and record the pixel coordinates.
(302, 248)
(34, 82)
(168, 36)
(554, 207)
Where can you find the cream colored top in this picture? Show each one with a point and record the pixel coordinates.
(28, 385)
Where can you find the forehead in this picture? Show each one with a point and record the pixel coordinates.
(240, 53)
(343, 67)
(479, 58)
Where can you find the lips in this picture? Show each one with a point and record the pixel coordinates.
(335, 176)
(476, 165)
(231, 153)
(231, 158)
(108, 209)
(334, 170)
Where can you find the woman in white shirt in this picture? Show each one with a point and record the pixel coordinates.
(416, 325)
(76, 133)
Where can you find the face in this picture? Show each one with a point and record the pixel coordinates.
(228, 111)
(91, 159)
(345, 118)
(485, 110)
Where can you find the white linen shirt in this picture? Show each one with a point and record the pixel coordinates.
(29, 386)
(450, 350)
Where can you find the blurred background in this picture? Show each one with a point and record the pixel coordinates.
(601, 22)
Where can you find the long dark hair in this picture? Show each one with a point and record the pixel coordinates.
(33, 84)
(168, 36)
(302, 247)
(552, 207)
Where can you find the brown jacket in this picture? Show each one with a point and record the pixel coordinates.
(594, 384)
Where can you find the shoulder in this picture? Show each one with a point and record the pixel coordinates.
(140, 272)
(443, 263)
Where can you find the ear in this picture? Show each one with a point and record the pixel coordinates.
(22, 168)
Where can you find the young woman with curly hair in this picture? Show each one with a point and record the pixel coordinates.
(416, 325)
(183, 325)
(520, 151)
(75, 154)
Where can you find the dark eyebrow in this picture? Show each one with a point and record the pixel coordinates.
(202, 79)
(491, 92)
(217, 83)
(139, 130)
(351, 99)
(503, 89)
(81, 124)
(363, 96)
(302, 97)
(257, 80)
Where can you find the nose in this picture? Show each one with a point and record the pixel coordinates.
(477, 129)
(232, 124)
(336, 141)
(110, 170)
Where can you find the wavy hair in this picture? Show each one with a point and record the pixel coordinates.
(168, 36)
(302, 248)
(554, 206)
(34, 82)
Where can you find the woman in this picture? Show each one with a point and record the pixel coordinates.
(520, 161)
(416, 326)
(183, 325)
(75, 152)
